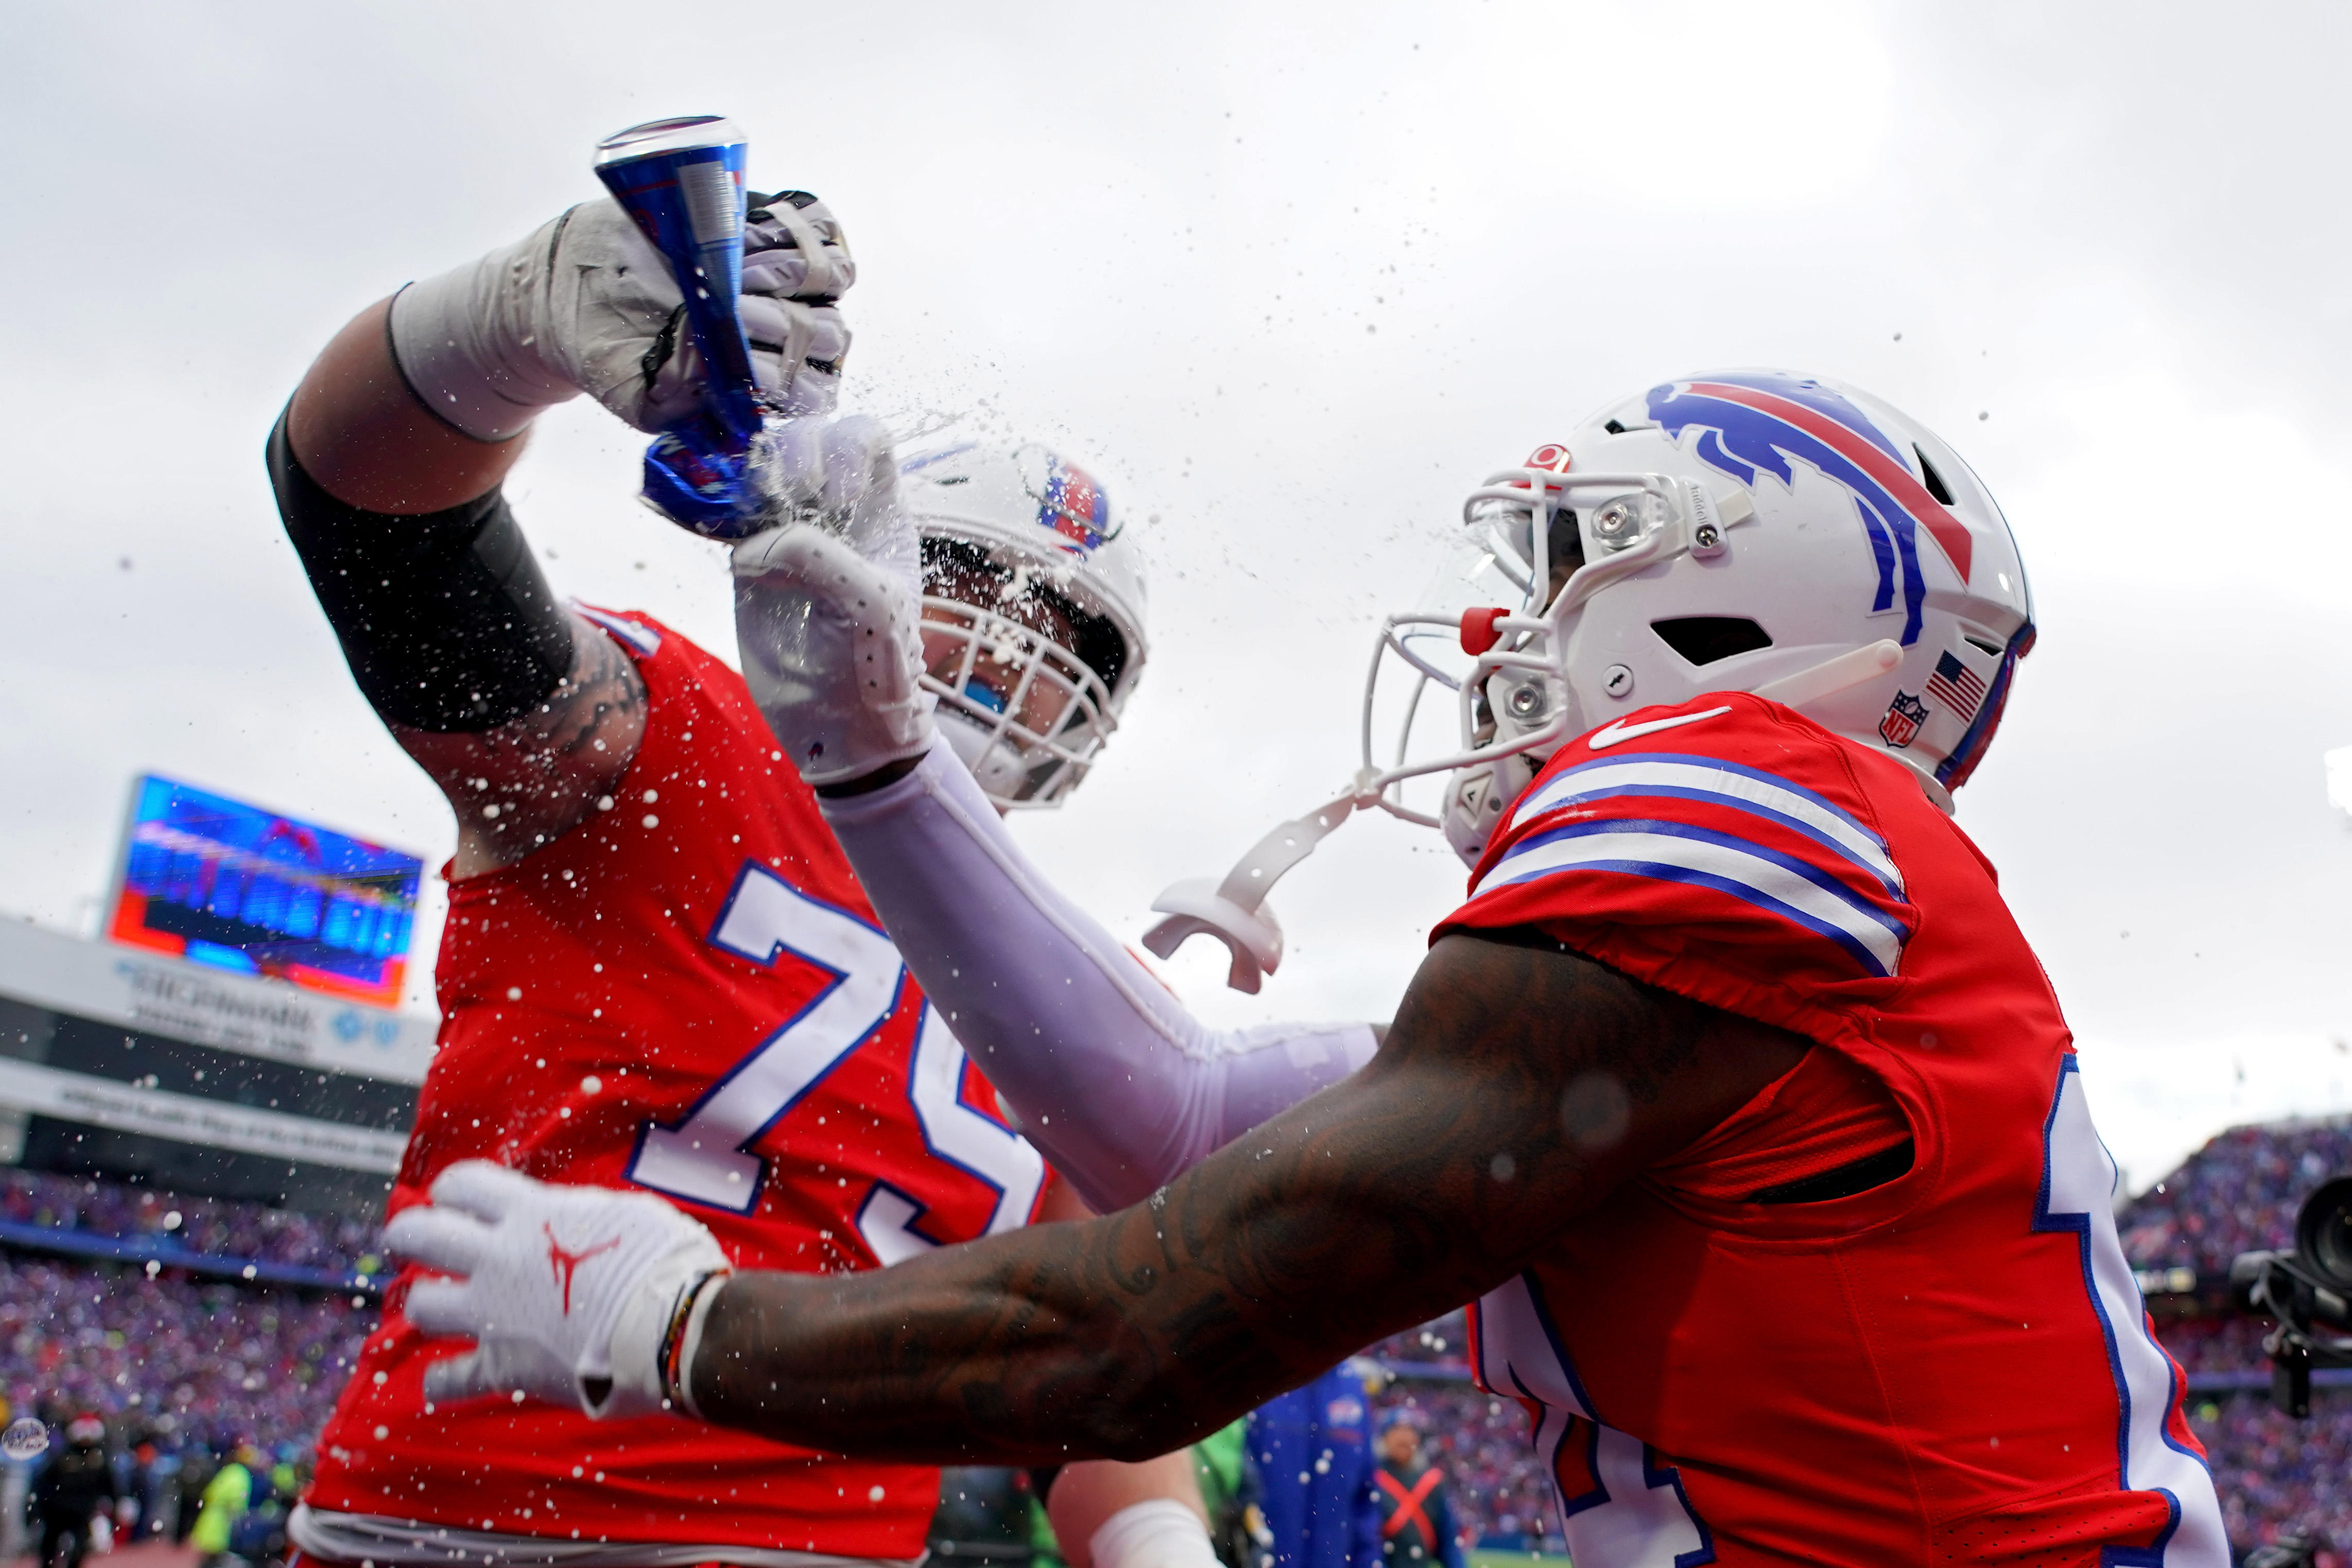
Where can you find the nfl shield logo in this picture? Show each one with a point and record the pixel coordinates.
(1904, 717)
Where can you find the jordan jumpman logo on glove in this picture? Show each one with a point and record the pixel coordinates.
(567, 1262)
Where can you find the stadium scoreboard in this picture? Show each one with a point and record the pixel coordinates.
(237, 887)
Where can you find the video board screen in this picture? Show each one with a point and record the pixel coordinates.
(218, 881)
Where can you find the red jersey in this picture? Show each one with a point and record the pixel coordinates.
(688, 993)
(1953, 1366)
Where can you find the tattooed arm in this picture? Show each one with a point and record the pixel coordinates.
(531, 779)
(1521, 1088)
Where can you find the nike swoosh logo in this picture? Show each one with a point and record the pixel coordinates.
(1609, 735)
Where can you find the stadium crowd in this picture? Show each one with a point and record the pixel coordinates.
(2216, 1344)
(2236, 1193)
(217, 1226)
(223, 1360)
(180, 1367)
(2277, 1475)
(184, 1373)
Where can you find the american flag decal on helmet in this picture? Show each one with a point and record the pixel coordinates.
(1957, 687)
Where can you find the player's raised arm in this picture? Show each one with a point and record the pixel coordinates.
(1112, 1076)
(1518, 1088)
(387, 466)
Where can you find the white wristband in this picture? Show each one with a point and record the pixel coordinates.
(1158, 1534)
(473, 340)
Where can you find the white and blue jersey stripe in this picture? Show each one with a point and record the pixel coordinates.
(1782, 850)
(1717, 783)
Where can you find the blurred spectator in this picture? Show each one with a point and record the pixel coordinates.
(226, 1498)
(2216, 1344)
(184, 1368)
(1314, 1455)
(1229, 1491)
(155, 1480)
(69, 1493)
(1417, 1526)
(1500, 1491)
(197, 1467)
(1442, 1345)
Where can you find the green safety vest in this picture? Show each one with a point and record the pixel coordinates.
(225, 1497)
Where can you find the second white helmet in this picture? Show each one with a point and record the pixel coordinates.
(1034, 599)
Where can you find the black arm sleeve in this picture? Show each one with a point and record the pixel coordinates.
(445, 619)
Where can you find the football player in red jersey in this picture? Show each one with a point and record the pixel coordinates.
(1732, 1095)
(658, 970)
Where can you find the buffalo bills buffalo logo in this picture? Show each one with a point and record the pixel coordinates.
(1751, 422)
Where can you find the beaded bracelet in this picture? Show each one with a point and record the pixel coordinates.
(676, 1341)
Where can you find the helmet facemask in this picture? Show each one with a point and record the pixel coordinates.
(1538, 543)
(1033, 613)
(1024, 674)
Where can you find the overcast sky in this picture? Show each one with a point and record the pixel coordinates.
(1292, 278)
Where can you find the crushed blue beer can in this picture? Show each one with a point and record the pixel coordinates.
(682, 181)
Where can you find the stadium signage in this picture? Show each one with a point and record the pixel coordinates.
(220, 1124)
(197, 1002)
(113, 985)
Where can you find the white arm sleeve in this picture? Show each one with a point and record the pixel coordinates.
(1119, 1085)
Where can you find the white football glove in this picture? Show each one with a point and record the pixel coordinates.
(587, 304)
(828, 607)
(569, 1293)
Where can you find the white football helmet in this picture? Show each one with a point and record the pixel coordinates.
(1748, 530)
(1033, 613)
